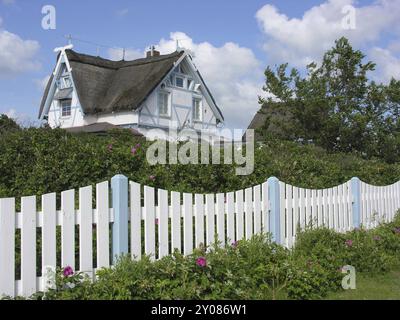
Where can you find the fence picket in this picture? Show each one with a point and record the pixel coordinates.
(239, 215)
(265, 208)
(103, 225)
(149, 222)
(210, 219)
(249, 212)
(220, 211)
(176, 221)
(136, 220)
(85, 231)
(7, 247)
(187, 223)
(163, 212)
(28, 246)
(230, 217)
(49, 258)
(68, 229)
(257, 209)
(199, 219)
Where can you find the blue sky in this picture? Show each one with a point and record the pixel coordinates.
(233, 41)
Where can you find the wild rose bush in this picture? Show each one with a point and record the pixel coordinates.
(247, 269)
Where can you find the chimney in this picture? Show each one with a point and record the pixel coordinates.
(152, 52)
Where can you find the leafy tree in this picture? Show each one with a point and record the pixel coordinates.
(335, 105)
(7, 124)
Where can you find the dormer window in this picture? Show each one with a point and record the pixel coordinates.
(179, 82)
(65, 108)
(65, 82)
(163, 104)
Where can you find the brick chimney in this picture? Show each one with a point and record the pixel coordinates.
(152, 52)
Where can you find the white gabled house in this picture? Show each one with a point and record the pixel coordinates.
(88, 93)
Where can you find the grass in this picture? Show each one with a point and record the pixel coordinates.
(379, 287)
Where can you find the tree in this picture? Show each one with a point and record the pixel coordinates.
(7, 124)
(335, 105)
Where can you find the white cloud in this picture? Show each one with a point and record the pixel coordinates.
(17, 55)
(388, 65)
(300, 41)
(232, 73)
(41, 83)
(130, 54)
(23, 119)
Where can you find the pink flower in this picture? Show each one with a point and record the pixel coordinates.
(133, 151)
(110, 147)
(201, 262)
(235, 244)
(377, 238)
(349, 243)
(68, 271)
(137, 146)
(396, 230)
(152, 178)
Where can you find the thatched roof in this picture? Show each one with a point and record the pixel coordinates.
(106, 86)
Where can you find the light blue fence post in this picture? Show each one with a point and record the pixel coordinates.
(119, 187)
(356, 201)
(275, 211)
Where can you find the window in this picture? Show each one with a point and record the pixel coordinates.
(179, 82)
(65, 108)
(163, 104)
(197, 110)
(64, 82)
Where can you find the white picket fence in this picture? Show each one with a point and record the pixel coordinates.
(156, 222)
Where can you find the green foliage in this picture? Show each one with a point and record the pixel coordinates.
(335, 105)
(7, 124)
(36, 161)
(248, 269)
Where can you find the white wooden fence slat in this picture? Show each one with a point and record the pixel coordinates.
(103, 225)
(49, 257)
(308, 216)
(302, 211)
(289, 215)
(321, 209)
(314, 195)
(187, 223)
(28, 246)
(230, 216)
(136, 220)
(257, 209)
(220, 210)
(199, 219)
(239, 207)
(68, 229)
(7, 247)
(330, 208)
(282, 191)
(163, 208)
(176, 221)
(149, 222)
(249, 212)
(265, 208)
(296, 216)
(86, 230)
(210, 219)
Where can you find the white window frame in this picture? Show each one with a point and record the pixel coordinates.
(200, 100)
(163, 92)
(183, 81)
(64, 115)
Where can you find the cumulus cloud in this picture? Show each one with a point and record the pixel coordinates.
(23, 119)
(300, 41)
(130, 54)
(233, 74)
(17, 55)
(388, 65)
(42, 83)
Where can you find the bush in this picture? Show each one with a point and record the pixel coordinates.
(248, 269)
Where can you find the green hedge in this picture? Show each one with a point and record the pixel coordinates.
(36, 161)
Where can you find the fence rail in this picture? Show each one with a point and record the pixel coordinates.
(135, 219)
